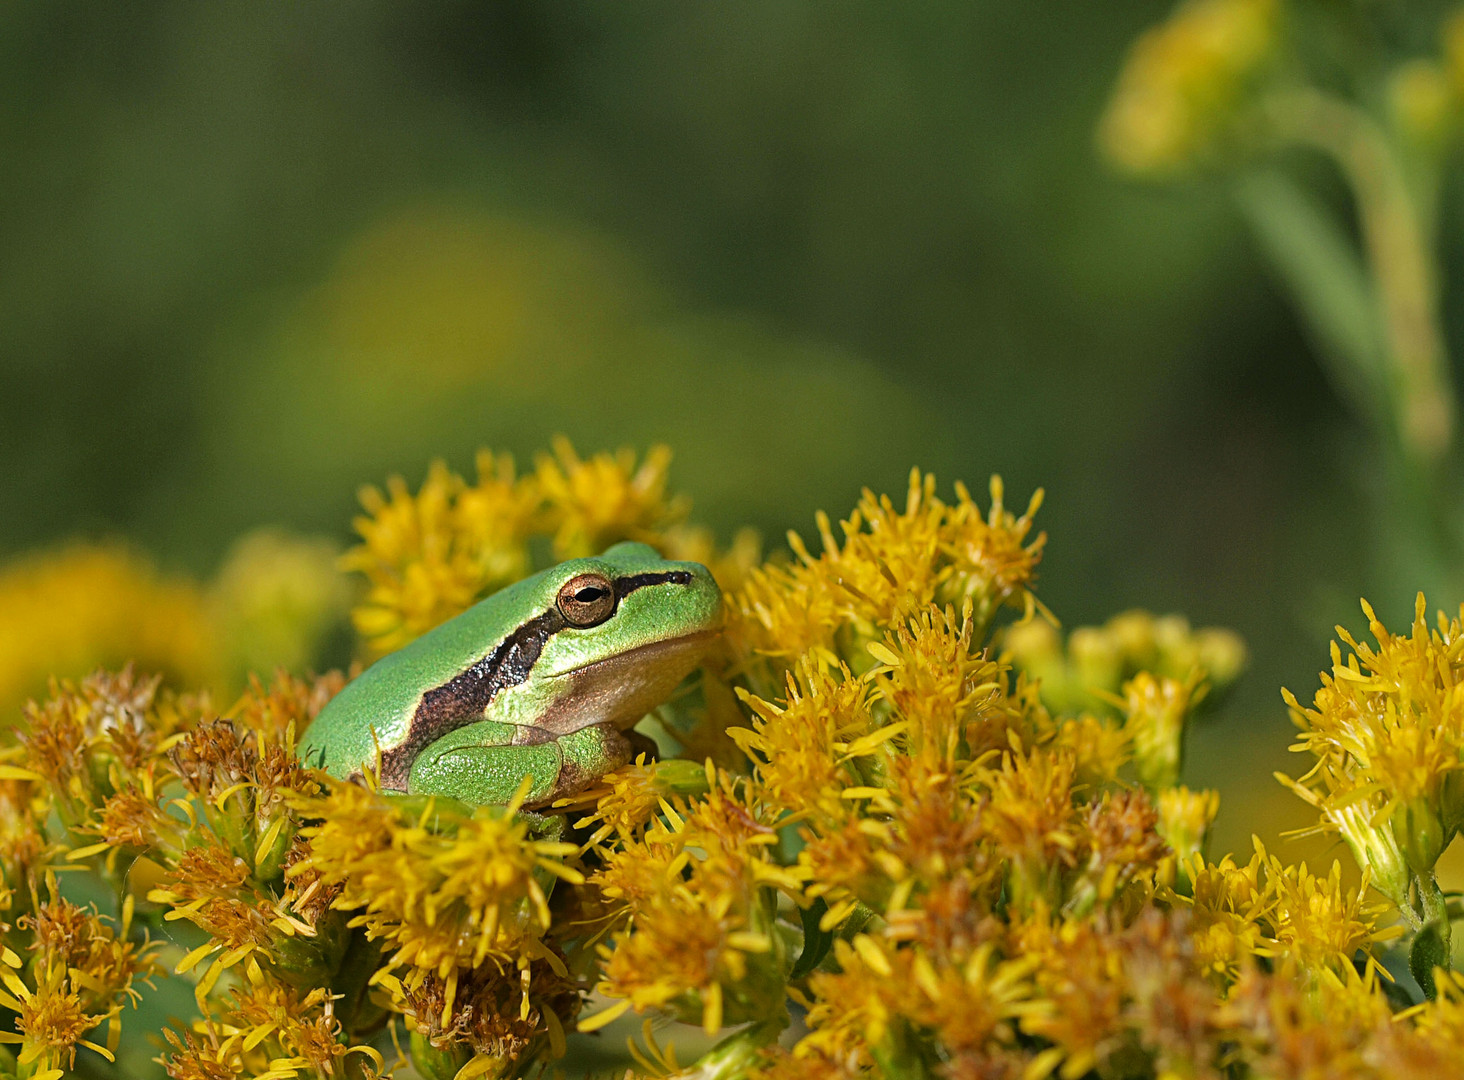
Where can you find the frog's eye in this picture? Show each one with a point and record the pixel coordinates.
(586, 600)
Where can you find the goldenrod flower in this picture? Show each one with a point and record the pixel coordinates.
(79, 975)
(1286, 913)
(1387, 730)
(864, 1011)
(1122, 845)
(1229, 902)
(25, 847)
(701, 941)
(892, 564)
(89, 740)
(486, 1016)
(280, 710)
(1032, 819)
(1077, 973)
(626, 799)
(1185, 818)
(1317, 923)
(927, 846)
(994, 556)
(593, 504)
(268, 1030)
(1099, 746)
(808, 751)
(949, 700)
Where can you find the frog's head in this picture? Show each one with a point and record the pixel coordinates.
(630, 625)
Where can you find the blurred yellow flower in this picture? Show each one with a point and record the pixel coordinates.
(1183, 81)
(274, 600)
(70, 611)
(1089, 671)
(1155, 711)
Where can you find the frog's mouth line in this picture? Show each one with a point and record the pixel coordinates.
(650, 648)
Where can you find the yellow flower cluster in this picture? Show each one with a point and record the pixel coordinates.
(460, 900)
(78, 976)
(1266, 908)
(1387, 731)
(1184, 80)
(892, 564)
(189, 818)
(694, 898)
(949, 843)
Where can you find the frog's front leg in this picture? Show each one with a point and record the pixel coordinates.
(482, 764)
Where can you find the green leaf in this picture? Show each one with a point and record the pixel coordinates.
(1430, 950)
(816, 942)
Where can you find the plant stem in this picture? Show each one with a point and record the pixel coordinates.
(1401, 258)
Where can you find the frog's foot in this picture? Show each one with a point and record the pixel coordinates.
(589, 754)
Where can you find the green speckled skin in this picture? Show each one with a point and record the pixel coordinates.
(604, 677)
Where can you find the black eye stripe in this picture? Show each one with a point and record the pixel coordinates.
(627, 585)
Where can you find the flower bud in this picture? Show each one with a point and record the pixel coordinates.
(1420, 834)
(1097, 659)
(1156, 710)
(1185, 818)
(1376, 850)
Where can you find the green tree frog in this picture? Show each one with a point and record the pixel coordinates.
(542, 679)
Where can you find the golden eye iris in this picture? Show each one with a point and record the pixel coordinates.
(586, 600)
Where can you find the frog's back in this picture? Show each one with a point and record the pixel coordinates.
(375, 709)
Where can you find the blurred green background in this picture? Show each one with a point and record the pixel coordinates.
(257, 255)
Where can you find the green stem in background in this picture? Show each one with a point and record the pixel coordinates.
(1399, 255)
(1324, 271)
